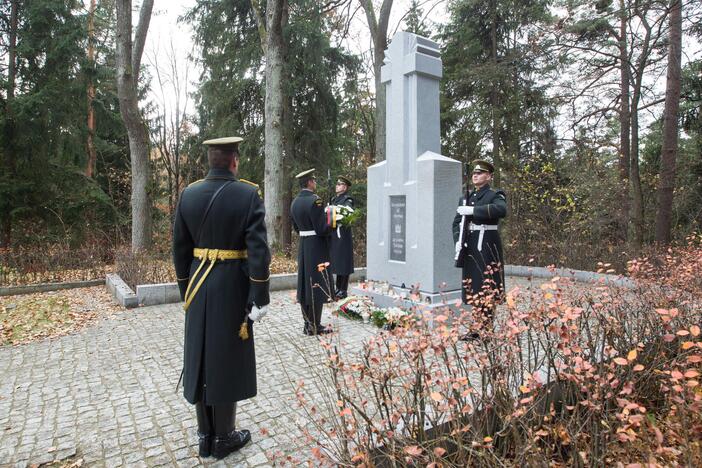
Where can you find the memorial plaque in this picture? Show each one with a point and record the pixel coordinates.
(398, 223)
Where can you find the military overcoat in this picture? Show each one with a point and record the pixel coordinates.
(219, 366)
(314, 287)
(342, 241)
(489, 207)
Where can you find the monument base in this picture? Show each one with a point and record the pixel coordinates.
(395, 296)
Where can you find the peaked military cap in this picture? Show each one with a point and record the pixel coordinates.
(480, 165)
(225, 141)
(344, 180)
(308, 173)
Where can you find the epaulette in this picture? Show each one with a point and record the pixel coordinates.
(258, 189)
(248, 182)
(193, 183)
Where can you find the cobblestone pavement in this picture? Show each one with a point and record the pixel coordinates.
(106, 395)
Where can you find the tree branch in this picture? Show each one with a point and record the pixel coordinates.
(140, 36)
(261, 22)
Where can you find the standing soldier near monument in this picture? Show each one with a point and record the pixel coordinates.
(221, 258)
(478, 243)
(342, 239)
(314, 280)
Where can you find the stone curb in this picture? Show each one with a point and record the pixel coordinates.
(167, 293)
(577, 275)
(46, 287)
(122, 293)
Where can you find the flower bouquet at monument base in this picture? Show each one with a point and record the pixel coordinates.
(355, 308)
(362, 308)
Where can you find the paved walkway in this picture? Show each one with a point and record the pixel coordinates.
(106, 395)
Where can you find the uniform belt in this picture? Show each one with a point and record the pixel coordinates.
(211, 255)
(307, 233)
(482, 228)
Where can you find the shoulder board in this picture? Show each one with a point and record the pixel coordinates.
(248, 182)
(318, 201)
(258, 189)
(196, 182)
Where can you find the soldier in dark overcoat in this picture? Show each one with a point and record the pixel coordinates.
(342, 240)
(478, 245)
(314, 279)
(222, 259)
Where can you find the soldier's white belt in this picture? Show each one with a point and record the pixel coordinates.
(482, 228)
(307, 233)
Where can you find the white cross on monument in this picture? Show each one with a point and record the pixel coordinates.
(413, 194)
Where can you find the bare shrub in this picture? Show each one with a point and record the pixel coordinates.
(569, 375)
(144, 267)
(54, 263)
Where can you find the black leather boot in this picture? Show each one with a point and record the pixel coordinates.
(319, 329)
(205, 431)
(308, 318)
(227, 440)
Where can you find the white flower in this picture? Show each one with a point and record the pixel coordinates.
(395, 314)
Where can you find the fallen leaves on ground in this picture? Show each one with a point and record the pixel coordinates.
(31, 317)
(283, 264)
(67, 463)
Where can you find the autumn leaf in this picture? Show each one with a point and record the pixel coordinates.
(631, 356)
(695, 330)
(621, 361)
(317, 453)
(413, 450)
(439, 452)
(436, 396)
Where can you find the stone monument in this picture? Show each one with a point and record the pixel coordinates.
(413, 194)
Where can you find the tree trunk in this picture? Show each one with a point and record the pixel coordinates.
(494, 104)
(637, 221)
(625, 125)
(276, 20)
(287, 187)
(128, 60)
(669, 147)
(9, 130)
(92, 155)
(637, 208)
(379, 34)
